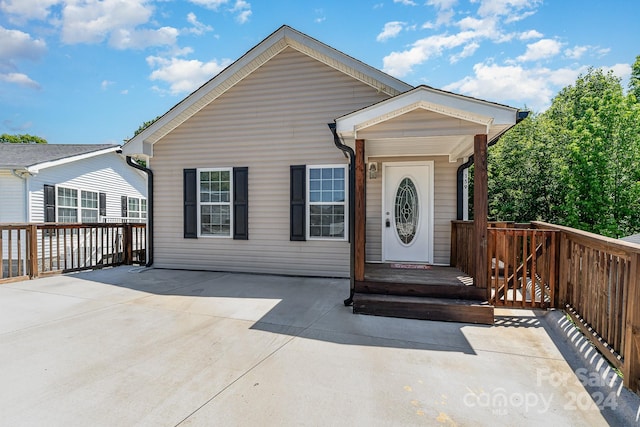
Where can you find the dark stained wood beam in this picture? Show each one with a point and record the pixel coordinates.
(360, 211)
(480, 210)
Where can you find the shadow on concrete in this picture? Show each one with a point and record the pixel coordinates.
(605, 389)
(306, 307)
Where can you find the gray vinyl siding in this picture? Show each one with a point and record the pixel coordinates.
(445, 191)
(106, 173)
(12, 198)
(274, 118)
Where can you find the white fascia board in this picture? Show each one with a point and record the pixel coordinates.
(449, 104)
(36, 168)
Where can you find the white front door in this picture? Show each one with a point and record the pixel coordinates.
(407, 212)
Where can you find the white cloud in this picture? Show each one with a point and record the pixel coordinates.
(198, 28)
(620, 70)
(184, 75)
(210, 4)
(390, 30)
(241, 7)
(401, 63)
(541, 49)
(23, 10)
(509, 8)
(15, 44)
(406, 2)
(531, 34)
(105, 84)
(534, 87)
(19, 79)
(445, 12)
(468, 50)
(140, 39)
(576, 52)
(87, 21)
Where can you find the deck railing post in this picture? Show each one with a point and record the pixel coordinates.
(631, 366)
(453, 255)
(563, 271)
(127, 244)
(32, 250)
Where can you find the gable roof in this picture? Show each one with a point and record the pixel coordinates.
(33, 157)
(428, 121)
(282, 38)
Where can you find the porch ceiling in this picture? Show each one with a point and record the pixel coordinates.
(425, 121)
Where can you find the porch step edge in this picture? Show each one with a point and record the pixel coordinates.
(424, 308)
(448, 291)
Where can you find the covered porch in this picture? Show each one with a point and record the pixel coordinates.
(407, 154)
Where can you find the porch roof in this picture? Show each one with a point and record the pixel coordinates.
(426, 121)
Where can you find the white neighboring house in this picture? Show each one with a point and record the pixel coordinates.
(69, 183)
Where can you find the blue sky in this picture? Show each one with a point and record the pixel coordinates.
(92, 71)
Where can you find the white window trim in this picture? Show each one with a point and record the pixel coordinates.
(140, 211)
(230, 203)
(79, 207)
(345, 203)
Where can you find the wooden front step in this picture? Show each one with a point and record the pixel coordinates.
(424, 308)
(421, 290)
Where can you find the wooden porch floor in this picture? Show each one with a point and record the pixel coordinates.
(416, 274)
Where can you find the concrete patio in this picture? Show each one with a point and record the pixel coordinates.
(132, 346)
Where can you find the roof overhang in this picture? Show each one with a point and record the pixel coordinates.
(425, 121)
(284, 37)
(34, 169)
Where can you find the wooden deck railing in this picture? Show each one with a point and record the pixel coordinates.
(595, 279)
(33, 250)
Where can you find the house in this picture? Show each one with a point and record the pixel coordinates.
(69, 183)
(299, 159)
(634, 238)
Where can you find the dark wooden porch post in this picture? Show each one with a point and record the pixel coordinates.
(480, 209)
(360, 211)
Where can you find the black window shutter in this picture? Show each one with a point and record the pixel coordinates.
(49, 203)
(102, 204)
(241, 203)
(298, 196)
(124, 208)
(190, 194)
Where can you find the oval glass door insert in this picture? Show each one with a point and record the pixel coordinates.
(406, 210)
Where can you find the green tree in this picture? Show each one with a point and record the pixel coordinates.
(21, 139)
(523, 174)
(592, 122)
(634, 81)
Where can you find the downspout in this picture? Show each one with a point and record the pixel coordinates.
(352, 213)
(149, 173)
(520, 116)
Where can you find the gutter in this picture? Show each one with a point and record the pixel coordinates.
(348, 151)
(520, 116)
(149, 173)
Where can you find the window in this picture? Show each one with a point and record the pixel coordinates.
(327, 193)
(67, 205)
(215, 201)
(71, 210)
(136, 208)
(89, 204)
